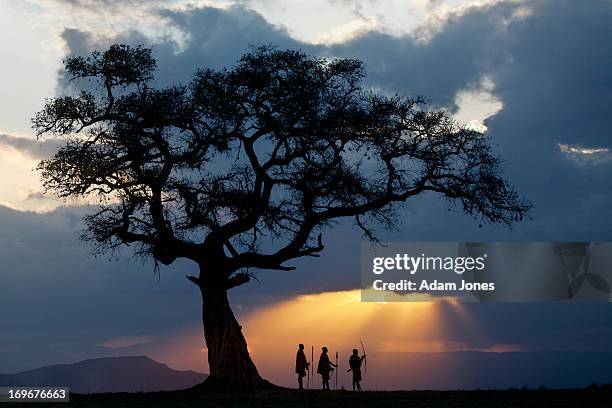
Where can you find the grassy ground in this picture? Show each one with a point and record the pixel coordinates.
(593, 397)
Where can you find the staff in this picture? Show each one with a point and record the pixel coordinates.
(310, 371)
(336, 381)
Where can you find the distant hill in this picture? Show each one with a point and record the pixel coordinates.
(112, 374)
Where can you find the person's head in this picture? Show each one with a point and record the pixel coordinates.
(324, 349)
(355, 352)
(301, 346)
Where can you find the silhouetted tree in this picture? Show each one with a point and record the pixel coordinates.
(271, 152)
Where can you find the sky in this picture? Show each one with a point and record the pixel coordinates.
(534, 74)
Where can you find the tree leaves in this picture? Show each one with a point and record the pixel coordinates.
(120, 64)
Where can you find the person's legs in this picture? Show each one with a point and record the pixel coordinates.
(354, 385)
(300, 382)
(358, 386)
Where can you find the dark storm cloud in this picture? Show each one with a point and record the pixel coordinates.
(551, 72)
(452, 60)
(213, 38)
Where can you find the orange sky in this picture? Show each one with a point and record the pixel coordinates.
(338, 320)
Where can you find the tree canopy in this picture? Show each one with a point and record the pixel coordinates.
(245, 167)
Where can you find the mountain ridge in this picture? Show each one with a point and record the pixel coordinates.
(107, 374)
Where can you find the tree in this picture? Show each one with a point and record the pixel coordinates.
(271, 152)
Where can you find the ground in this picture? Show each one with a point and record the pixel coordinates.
(591, 397)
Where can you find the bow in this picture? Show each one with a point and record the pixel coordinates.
(365, 360)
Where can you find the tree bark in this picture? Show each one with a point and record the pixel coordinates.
(231, 367)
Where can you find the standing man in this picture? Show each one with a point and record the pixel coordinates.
(301, 365)
(355, 364)
(325, 367)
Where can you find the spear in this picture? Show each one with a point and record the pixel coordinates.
(311, 367)
(336, 383)
(308, 377)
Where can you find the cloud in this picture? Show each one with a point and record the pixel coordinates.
(50, 280)
(35, 195)
(349, 30)
(586, 151)
(94, 4)
(586, 156)
(476, 104)
(441, 346)
(42, 149)
(123, 342)
(21, 186)
(552, 84)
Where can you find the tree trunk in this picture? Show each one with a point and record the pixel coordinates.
(231, 367)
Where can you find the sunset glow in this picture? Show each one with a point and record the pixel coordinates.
(338, 320)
